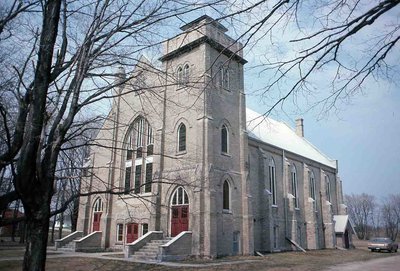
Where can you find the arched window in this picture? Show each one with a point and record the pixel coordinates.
(272, 180)
(226, 196)
(182, 137)
(294, 187)
(140, 144)
(179, 76)
(224, 139)
(226, 79)
(180, 197)
(223, 78)
(328, 188)
(98, 205)
(312, 185)
(186, 73)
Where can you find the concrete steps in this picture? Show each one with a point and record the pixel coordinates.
(150, 251)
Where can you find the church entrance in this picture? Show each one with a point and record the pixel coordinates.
(179, 211)
(97, 212)
(96, 221)
(132, 232)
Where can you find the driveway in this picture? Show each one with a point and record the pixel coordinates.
(383, 264)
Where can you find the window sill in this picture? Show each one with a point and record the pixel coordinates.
(136, 195)
(274, 206)
(297, 208)
(226, 211)
(226, 154)
(180, 153)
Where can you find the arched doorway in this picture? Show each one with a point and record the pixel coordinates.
(97, 212)
(179, 211)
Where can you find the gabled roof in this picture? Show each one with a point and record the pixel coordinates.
(281, 135)
(341, 222)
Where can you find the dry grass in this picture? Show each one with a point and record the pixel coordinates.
(299, 261)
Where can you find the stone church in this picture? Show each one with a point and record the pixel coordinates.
(195, 172)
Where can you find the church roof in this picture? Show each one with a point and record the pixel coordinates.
(281, 135)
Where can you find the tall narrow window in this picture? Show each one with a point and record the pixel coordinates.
(127, 179)
(182, 137)
(180, 76)
(149, 177)
(223, 77)
(138, 177)
(226, 196)
(224, 139)
(294, 187)
(272, 180)
(120, 232)
(225, 83)
(220, 75)
(312, 185)
(186, 72)
(150, 141)
(145, 228)
(328, 188)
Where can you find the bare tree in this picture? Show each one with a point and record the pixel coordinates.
(390, 212)
(361, 209)
(74, 52)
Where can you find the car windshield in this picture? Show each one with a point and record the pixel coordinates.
(381, 240)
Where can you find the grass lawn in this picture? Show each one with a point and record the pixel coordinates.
(299, 261)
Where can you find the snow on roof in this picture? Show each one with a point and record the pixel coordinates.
(341, 223)
(281, 135)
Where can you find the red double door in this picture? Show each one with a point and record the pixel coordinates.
(179, 219)
(132, 232)
(96, 221)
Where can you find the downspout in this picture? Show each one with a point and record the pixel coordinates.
(162, 150)
(285, 192)
(322, 219)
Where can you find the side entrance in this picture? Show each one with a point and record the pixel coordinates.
(179, 211)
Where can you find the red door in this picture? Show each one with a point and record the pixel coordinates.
(96, 221)
(132, 232)
(179, 219)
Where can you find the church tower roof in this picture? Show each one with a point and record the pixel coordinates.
(199, 31)
(205, 19)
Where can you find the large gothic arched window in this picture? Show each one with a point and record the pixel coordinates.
(139, 161)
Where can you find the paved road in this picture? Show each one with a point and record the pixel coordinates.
(382, 264)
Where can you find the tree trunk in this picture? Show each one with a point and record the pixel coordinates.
(60, 229)
(36, 242)
(53, 225)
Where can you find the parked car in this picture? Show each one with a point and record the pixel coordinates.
(382, 243)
